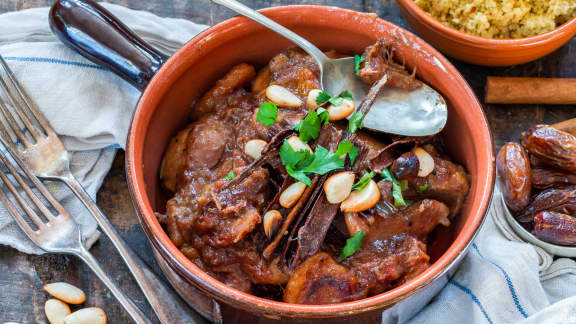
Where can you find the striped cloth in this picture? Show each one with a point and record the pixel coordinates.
(501, 280)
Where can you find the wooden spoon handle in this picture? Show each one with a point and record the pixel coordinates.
(506, 90)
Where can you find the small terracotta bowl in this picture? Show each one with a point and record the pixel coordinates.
(481, 50)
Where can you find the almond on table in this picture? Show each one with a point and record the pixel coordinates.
(66, 292)
(56, 311)
(90, 315)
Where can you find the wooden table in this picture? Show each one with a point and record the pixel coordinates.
(22, 276)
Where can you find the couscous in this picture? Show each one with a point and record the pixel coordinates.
(501, 18)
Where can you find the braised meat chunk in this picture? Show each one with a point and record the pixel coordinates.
(275, 193)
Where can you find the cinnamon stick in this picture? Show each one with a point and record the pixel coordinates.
(508, 90)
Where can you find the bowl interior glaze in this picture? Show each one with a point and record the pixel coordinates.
(165, 106)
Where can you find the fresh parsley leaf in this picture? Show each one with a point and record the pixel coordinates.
(323, 115)
(353, 154)
(310, 126)
(353, 245)
(422, 188)
(336, 100)
(403, 184)
(361, 184)
(355, 122)
(231, 175)
(396, 189)
(358, 60)
(267, 114)
(323, 98)
(324, 162)
(294, 159)
(346, 95)
(302, 163)
(347, 147)
(298, 175)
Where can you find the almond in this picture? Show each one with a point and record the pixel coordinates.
(254, 148)
(66, 292)
(342, 111)
(339, 186)
(297, 145)
(56, 311)
(290, 195)
(426, 161)
(272, 221)
(362, 200)
(311, 102)
(90, 315)
(282, 97)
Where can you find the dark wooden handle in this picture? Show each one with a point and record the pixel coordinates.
(94, 32)
(505, 90)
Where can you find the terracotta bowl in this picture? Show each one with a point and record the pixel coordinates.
(481, 50)
(164, 109)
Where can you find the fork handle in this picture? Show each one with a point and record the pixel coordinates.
(167, 304)
(128, 304)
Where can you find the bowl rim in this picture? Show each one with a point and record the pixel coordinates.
(219, 290)
(430, 20)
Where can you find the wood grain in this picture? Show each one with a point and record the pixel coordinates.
(21, 276)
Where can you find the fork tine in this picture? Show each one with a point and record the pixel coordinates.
(17, 106)
(37, 183)
(12, 123)
(16, 215)
(25, 101)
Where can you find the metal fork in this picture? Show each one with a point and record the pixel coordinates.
(55, 232)
(41, 149)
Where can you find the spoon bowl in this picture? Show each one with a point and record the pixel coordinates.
(419, 112)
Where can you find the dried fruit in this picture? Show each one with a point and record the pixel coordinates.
(406, 167)
(513, 168)
(290, 196)
(362, 200)
(556, 200)
(66, 292)
(56, 311)
(551, 146)
(339, 186)
(544, 178)
(90, 315)
(282, 97)
(556, 228)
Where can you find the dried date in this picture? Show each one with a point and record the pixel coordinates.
(551, 146)
(544, 178)
(554, 200)
(406, 166)
(515, 177)
(555, 228)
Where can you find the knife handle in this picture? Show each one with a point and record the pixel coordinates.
(96, 34)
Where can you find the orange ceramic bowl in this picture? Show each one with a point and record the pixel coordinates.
(481, 50)
(164, 109)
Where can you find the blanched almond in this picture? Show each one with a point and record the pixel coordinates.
(254, 148)
(66, 292)
(272, 221)
(90, 315)
(291, 194)
(339, 186)
(426, 161)
(340, 112)
(311, 103)
(282, 97)
(362, 200)
(56, 311)
(297, 145)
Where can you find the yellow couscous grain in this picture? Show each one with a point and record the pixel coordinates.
(501, 18)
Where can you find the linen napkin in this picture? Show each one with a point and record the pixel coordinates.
(87, 105)
(501, 280)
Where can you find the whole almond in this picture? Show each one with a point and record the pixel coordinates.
(90, 315)
(66, 292)
(290, 195)
(342, 111)
(56, 311)
(254, 148)
(297, 145)
(426, 161)
(311, 102)
(282, 96)
(362, 200)
(339, 186)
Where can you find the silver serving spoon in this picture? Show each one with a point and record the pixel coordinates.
(413, 113)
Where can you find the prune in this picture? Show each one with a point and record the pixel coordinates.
(551, 146)
(406, 166)
(514, 173)
(556, 228)
(555, 200)
(544, 178)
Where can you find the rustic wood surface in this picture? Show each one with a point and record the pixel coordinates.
(22, 276)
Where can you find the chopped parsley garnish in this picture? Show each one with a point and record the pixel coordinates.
(355, 122)
(353, 245)
(337, 100)
(422, 188)
(396, 189)
(231, 175)
(302, 163)
(310, 126)
(350, 148)
(403, 184)
(361, 184)
(267, 114)
(358, 60)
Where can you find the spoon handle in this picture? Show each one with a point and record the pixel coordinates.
(243, 10)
